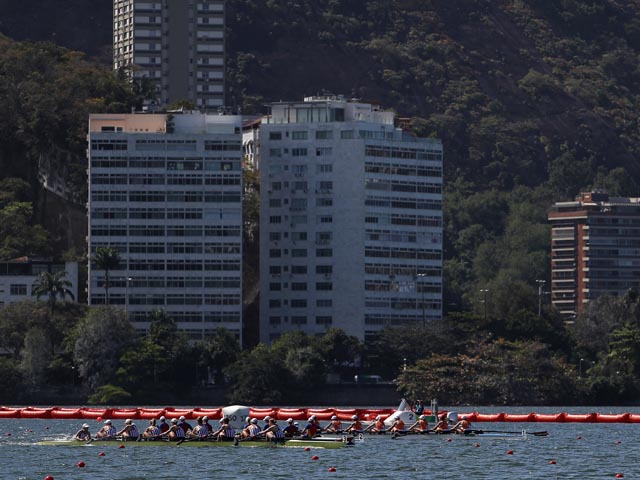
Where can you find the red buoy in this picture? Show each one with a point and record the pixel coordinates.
(49, 477)
(99, 419)
(618, 442)
(509, 452)
(315, 457)
(7, 434)
(619, 475)
(80, 464)
(579, 437)
(120, 446)
(332, 469)
(448, 439)
(307, 449)
(476, 445)
(552, 462)
(101, 454)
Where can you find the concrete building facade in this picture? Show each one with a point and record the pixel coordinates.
(595, 250)
(178, 45)
(18, 276)
(166, 192)
(351, 220)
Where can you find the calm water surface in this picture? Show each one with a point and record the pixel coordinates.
(601, 452)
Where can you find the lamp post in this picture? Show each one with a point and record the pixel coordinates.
(580, 368)
(541, 284)
(484, 292)
(126, 295)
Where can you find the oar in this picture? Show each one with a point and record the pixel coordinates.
(543, 433)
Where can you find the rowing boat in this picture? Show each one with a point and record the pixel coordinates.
(322, 442)
(475, 434)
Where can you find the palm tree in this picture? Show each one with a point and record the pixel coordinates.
(106, 258)
(52, 285)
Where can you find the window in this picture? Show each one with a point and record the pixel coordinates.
(324, 269)
(324, 320)
(274, 320)
(324, 134)
(275, 219)
(298, 320)
(324, 202)
(274, 303)
(274, 236)
(323, 151)
(323, 238)
(275, 135)
(18, 289)
(299, 135)
(324, 252)
(298, 269)
(275, 287)
(275, 152)
(299, 303)
(298, 252)
(325, 219)
(275, 253)
(298, 286)
(346, 134)
(299, 236)
(275, 269)
(324, 286)
(298, 152)
(324, 168)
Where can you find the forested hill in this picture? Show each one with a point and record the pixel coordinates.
(534, 100)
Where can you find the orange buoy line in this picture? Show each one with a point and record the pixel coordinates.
(323, 414)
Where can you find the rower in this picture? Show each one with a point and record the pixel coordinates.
(356, 425)
(421, 426)
(130, 431)
(377, 426)
(200, 432)
(153, 431)
(397, 426)
(335, 426)
(252, 431)
(225, 433)
(107, 432)
(311, 429)
(442, 426)
(207, 425)
(273, 433)
(184, 424)
(462, 426)
(83, 435)
(175, 432)
(164, 426)
(266, 422)
(291, 430)
(247, 422)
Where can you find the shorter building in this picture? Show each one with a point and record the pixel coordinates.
(595, 249)
(17, 277)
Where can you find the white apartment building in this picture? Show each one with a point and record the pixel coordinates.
(18, 276)
(351, 220)
(166, 192)
(178, 45)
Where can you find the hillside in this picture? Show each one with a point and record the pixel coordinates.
(534, 100)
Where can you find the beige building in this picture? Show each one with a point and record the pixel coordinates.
(177, 44)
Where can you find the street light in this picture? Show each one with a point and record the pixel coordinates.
(580, 368)
(484, 292)
(541, 284)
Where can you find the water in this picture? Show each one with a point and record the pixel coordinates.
(601, 452)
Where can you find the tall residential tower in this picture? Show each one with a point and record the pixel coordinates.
(178, 45)
(595, 249)
(350, 220)
(165, 191)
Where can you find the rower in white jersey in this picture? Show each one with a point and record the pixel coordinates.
(152, 432)
(107, 432)
(225, 433)
(273, 432)
(251, 431)
(83, 434)
(130, 431)
(200, 432)
(175, 432)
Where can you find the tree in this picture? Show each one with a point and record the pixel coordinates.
(35, 356)
(107, 259)
(101, 337)
(220, 350)
(16, 319)
(52, 285)
(338, 349)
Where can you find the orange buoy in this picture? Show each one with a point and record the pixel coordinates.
(80, 464)
(552, 462)
(315, 457)
(509, 452)
(332, 469)
(101, 454)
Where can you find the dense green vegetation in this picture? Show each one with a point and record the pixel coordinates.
(535, 100)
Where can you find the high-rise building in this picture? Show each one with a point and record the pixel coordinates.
(350, 220)
(165, 191)
(595, 249)
(178, 45)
